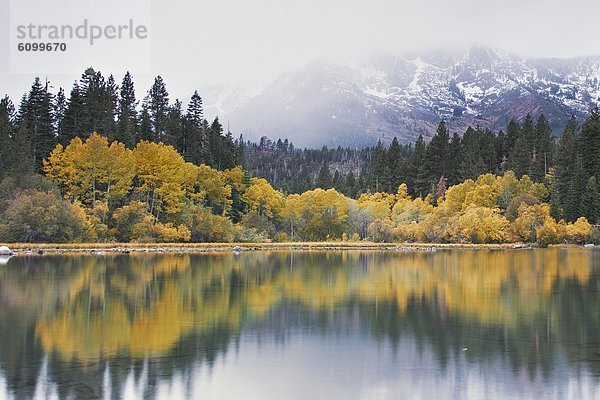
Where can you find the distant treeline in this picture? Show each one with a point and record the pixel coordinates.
(570, 165)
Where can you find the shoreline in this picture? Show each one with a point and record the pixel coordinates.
(125, 248)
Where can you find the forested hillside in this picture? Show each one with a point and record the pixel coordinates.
(98, 166)
(570, 164)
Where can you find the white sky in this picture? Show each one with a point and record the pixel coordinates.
(198, 43)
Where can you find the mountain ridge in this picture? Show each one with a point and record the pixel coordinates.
(356, 104)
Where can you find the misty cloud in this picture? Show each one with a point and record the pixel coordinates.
(201, 43)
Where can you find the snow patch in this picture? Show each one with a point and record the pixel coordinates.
(421, 66)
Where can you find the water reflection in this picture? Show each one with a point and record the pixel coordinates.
(463, 323)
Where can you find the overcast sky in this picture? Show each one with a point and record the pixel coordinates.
(196, 43)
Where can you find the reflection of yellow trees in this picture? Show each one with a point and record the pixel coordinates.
(76, 334)
(152, 302)
(90, 326)
(157, 329)
(484, 284)
(317, 289)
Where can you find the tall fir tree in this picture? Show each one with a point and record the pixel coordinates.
(158, 106)
(487, 145)
(501, 146)
(397, 164)
(437, 157)
(60, 107)
(76, 116)
(229, 152)
(566, 152)
(573, 206)
(455, 159)
(38, 117)
(195, 141)
(471, 158)
(110, 107)
(338, 182)
(215, 132)
(380, 169)
(351, 185)
(542, 150)
(418, 179)
(528, 132)
(519, 157)
(590, 143)
(324, 178)
(590, 201)
(513, 133)
(7, 128)
(145, 123)
(100, 101)
(127, 124)
(175, 126)
(19, 160)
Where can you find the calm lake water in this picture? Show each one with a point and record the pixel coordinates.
(455, 324)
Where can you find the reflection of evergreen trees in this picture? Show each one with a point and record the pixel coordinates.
(529, 307)
(21, 356)
(526, 347)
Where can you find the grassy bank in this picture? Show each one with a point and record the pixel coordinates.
(207, 247)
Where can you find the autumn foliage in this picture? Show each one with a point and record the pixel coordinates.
(151, 194)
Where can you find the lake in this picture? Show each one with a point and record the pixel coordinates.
(448, 324)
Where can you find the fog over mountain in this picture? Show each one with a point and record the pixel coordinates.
(355, 104)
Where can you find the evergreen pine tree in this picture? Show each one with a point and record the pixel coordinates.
(380, 169)
(216, 151)
(573, 208)
(7, 119)
(19, 161)
(127, 113)
(528, 132)
(418, 179)
(590, 143)
(145, 123)
(175, 126)
(471, 164)
(338, 182)
(110, 108)
(563, 170)
(487, 145)
(351, 185)
(556, 206)
(241, 151)
(590, 201)
(207, 155)
(100, 102)
(542, 149)
(501, 146)
(158, 105)
(513, 133)
(519, 157)
(195, 141)
(75, 118)
(397, 164)
(229, 153)
(454, 150)
(60, 107)
(520, 154)
(437, 160)
(38, 118)
(324, 179)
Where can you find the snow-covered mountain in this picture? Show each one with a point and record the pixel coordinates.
(333, 103)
